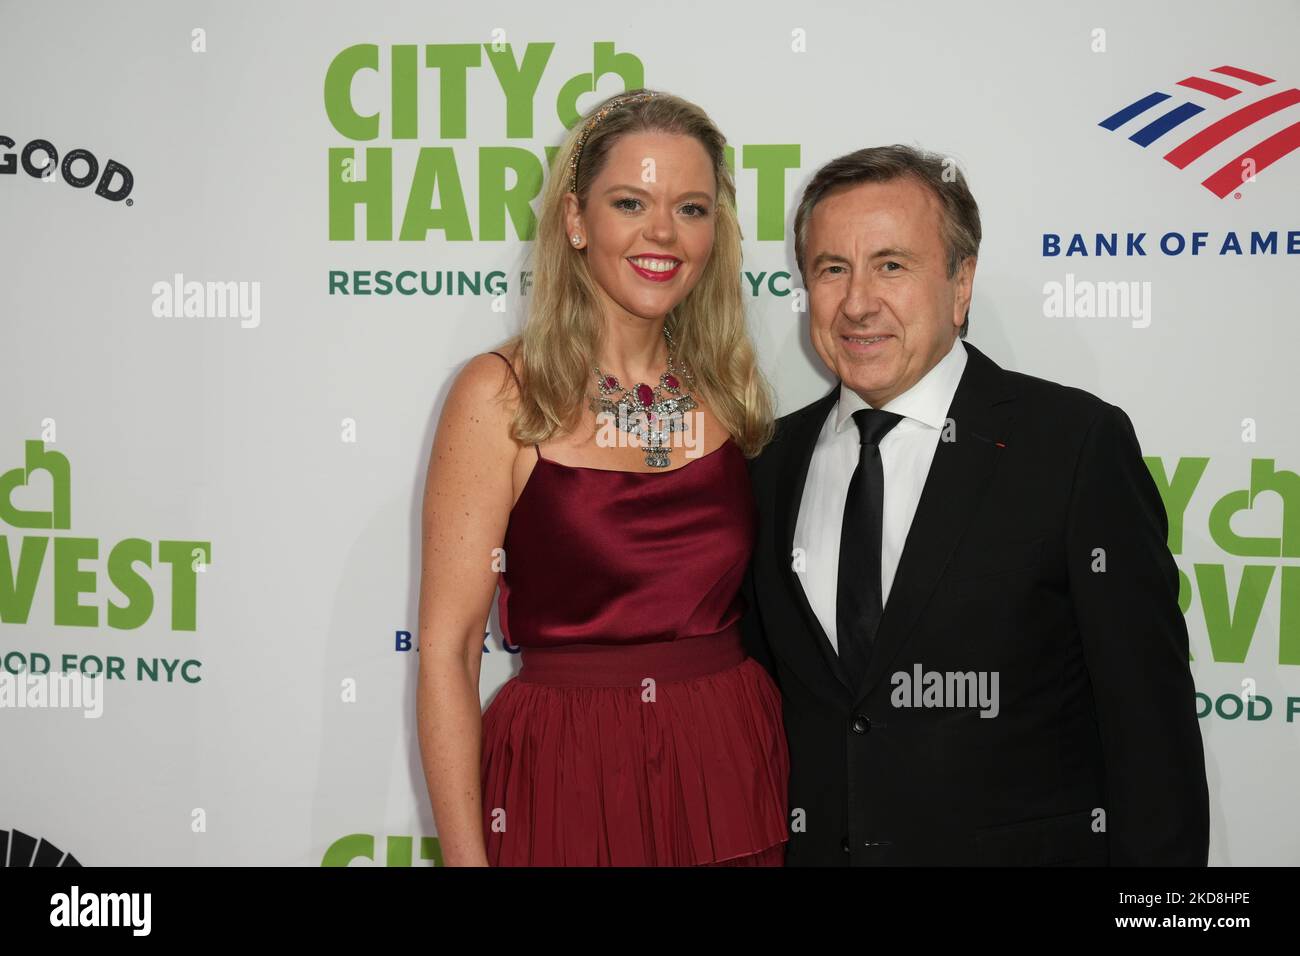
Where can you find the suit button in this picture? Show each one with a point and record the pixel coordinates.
(861, 724)
(844, 844)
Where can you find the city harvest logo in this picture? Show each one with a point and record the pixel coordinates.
(1216, 116)
(398, 851)
(1243, 587)
(379, 96)
(1260, 560)
(410, 119)
(128, 566)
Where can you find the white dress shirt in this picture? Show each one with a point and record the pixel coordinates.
(905, 456)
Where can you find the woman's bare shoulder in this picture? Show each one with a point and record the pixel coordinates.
(481, 404)
(489, 373)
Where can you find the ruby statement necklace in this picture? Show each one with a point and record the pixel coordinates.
(648, 414)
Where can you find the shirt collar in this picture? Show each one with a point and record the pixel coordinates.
(927, 401)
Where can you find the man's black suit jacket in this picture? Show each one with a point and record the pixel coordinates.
(1038, 551)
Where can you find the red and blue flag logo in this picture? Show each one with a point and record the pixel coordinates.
(1226, 121)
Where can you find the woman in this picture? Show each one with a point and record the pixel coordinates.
(637, 732)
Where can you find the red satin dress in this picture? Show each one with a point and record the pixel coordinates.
(638, 732)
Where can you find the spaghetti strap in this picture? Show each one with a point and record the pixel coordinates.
(508, 365)
(517, 382)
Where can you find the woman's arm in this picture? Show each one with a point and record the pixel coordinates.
(467, 500)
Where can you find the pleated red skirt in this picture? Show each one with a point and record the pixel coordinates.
(665, 754)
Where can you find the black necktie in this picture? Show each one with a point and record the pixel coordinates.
(858, 603)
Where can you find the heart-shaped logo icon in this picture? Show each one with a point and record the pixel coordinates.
(55, 464)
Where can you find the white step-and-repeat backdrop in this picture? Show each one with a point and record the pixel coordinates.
(246, 247)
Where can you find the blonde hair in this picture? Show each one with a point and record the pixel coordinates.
(560, 338)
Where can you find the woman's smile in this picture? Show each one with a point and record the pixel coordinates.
(655, 268)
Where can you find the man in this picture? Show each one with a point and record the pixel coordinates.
(961, 581)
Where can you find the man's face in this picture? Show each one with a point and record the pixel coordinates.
(649, 223)
(884, 311)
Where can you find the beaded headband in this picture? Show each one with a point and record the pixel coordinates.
(593, 123)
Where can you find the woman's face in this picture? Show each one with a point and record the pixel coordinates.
(647, 231)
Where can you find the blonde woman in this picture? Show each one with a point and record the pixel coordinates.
(604, 450)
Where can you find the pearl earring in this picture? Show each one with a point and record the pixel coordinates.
(576, 239)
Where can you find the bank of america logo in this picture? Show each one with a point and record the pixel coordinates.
(1225, 83)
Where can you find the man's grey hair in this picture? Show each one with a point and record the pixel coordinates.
(879, 164)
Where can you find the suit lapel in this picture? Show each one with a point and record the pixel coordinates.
(790, 483)
(957, 481)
